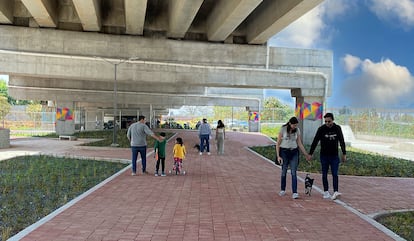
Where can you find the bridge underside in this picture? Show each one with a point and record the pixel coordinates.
(185, 52)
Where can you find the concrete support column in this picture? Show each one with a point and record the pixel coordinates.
(309, 126)
(254, 120)
(94, 120)
(65, 118)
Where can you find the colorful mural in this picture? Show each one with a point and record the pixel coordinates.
(255, 116)
(64, 114)
(309, 111)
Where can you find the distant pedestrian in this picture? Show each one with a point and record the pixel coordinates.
(204, 132)
(330, 135)
(179, 153)
(220, 136)
(159, 151)
(137, 135)
(289, 141)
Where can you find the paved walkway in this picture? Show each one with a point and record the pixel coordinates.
(229, 197)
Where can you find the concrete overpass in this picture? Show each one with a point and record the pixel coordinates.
(173, 53)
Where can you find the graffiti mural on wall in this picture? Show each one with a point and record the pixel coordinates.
(64, 114)
(254, 116)
(309, 111)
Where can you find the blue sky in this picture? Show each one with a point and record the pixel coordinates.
(373, 47)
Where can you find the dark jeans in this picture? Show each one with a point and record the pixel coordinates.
(142, 150)
(333, 162)
(290, 158)
(204, 139)
(157, 167)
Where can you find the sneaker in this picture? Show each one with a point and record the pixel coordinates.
(295, 196)
(156, 174)
(208, 153)
(336, 195)
(144, 172)
(282, 193)
(163, 174)
(133, 174)
(201, 153)
(326, 195)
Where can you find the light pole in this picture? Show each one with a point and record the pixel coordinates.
(115, 63)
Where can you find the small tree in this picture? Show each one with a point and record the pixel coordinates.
(274, 109)
(4, 108)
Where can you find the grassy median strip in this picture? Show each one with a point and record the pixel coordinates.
(31, 187)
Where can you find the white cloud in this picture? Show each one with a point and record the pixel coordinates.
(303, 33)
(381, 84)
(351, 63)
(308, 30)
(391, 10)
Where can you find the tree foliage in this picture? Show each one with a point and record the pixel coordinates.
(274, 109)
(4, 107)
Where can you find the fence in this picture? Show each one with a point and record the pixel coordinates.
(363, 121)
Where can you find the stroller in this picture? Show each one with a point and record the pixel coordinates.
(178, 167)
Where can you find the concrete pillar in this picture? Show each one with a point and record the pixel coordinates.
(254, 120)
(309, 126)
(93, 120)
(65, 118)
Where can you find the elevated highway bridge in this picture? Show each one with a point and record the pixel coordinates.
(151, 55)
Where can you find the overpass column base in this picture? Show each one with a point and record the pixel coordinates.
(65, 118)
(307, 123)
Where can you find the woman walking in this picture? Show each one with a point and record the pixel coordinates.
(287, 153)
(220, 136)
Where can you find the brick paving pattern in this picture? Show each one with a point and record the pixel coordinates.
(229, 197)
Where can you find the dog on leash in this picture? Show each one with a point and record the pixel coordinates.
(197, 146)
(308, 184)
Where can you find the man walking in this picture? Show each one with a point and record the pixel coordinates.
(329, 134)
(137, 135)
(204, 132)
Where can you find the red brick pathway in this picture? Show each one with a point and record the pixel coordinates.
(229, 197)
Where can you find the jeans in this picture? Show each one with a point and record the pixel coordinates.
(332, 161)
(142, 150)
(290, 158)
(204, 138)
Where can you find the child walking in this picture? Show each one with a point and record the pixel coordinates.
(179, 154)
(159, 152)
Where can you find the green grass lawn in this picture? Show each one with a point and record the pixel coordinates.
(31, 187)
(107, 137)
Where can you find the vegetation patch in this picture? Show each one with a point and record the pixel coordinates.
(401, 223)
(31, 187)
(106, 137)
(359, 163)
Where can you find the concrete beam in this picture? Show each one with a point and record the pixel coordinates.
(181, 15)
(43, 11)
(89, 14)
(60, 95)
(23, 81)
(135, 16)
(227, 16)
(273, 16)
(89, 68)
(6, 11)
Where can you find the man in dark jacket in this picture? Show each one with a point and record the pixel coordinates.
(329, 134)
